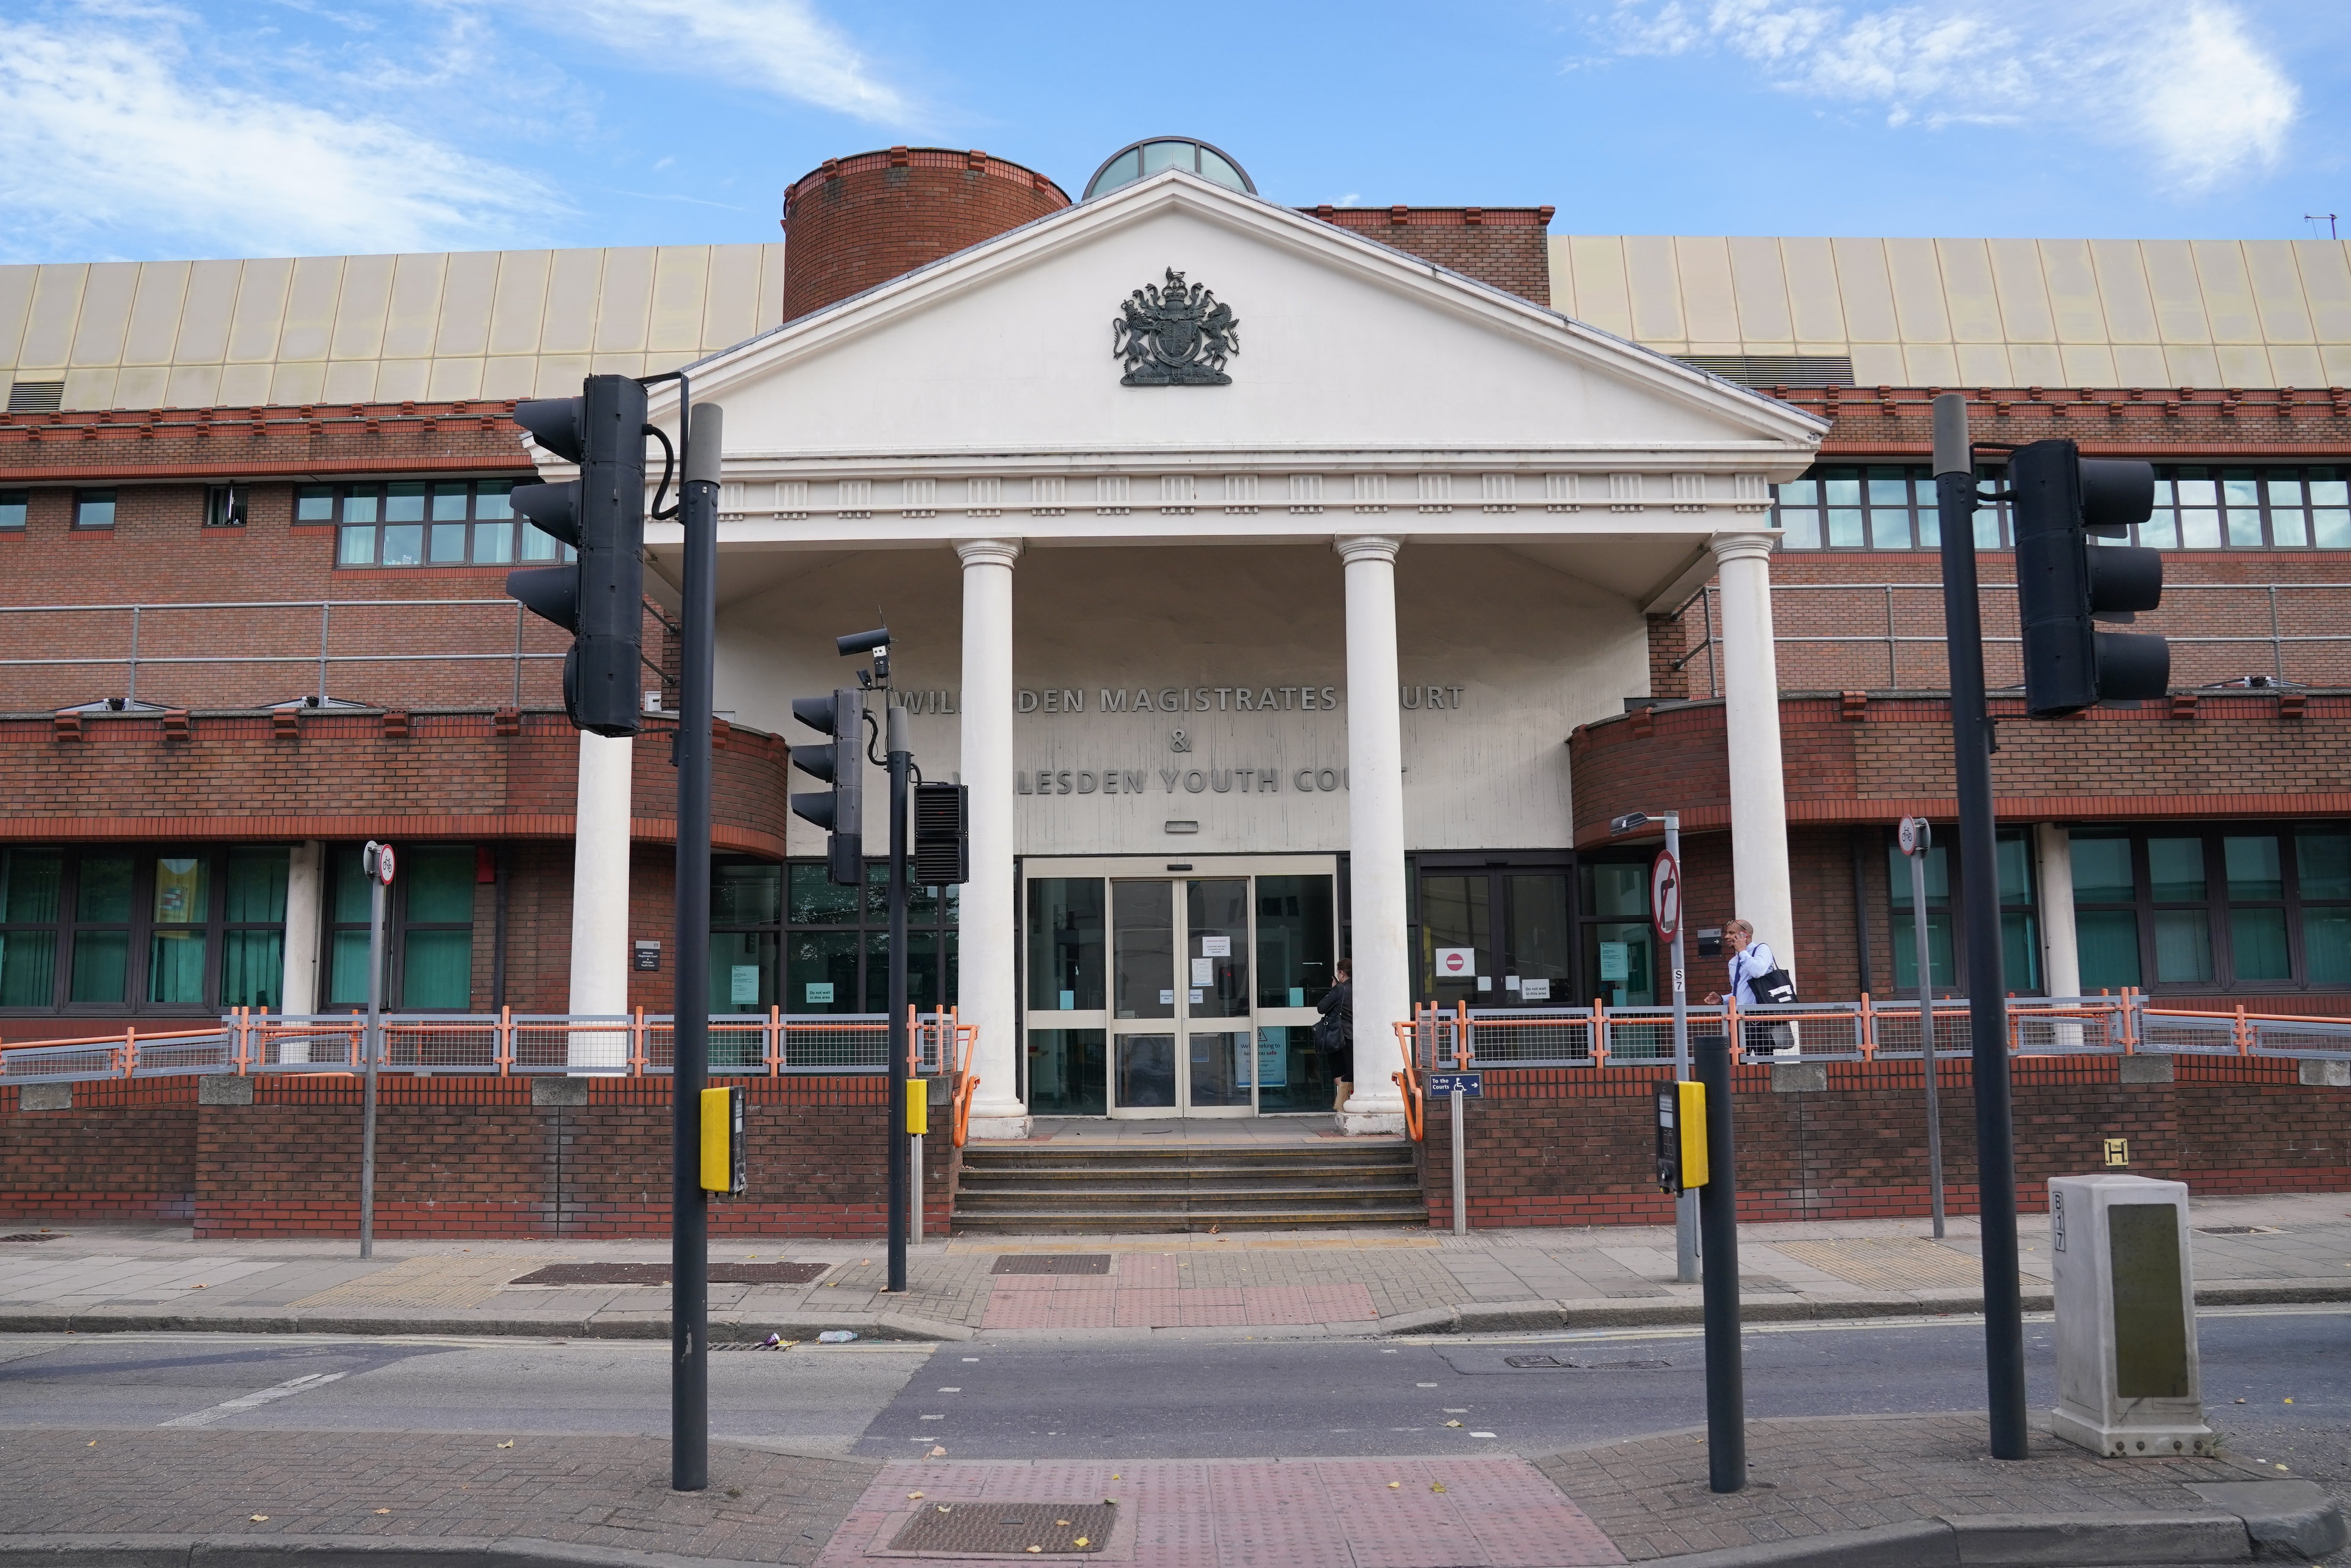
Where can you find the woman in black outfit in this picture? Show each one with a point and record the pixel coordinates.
(1334, 1036)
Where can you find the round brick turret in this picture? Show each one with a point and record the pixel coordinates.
(854, 222)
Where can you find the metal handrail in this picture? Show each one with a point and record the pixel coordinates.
(504, 1044)
(2275, 639)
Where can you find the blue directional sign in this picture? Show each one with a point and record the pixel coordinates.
(1471, 1085)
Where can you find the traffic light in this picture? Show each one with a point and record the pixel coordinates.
(839, 762)
(2058, 498)
(942, 835)
(602, 514)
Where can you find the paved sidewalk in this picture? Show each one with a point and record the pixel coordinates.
(2269, 1249)
(552, 1500)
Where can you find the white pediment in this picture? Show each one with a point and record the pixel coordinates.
(958, 387)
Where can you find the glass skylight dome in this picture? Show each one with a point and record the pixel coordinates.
(1140, 159)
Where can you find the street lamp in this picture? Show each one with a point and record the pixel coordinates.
(1666, 904)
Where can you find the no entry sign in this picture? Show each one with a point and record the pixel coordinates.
(1457, 963)
(1666, 895)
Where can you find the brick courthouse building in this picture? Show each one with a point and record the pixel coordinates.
(1625, 523)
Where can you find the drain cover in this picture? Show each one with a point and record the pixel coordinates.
(1008, 1529)
(1535, 1361)
(36, 1236)
(658, 1274)
(1052, 1263)
(2201, 1230)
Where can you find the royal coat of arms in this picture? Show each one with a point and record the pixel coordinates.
(1179, 336)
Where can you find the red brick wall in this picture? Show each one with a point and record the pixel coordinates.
(858, 221)
(1561, 1147)
(1508, 247)
(125, 1154)
(454, 1157)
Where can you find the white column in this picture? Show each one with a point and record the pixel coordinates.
(305, 878)
(1750, 704)
(986, 972)
(2060, 955)
(599, 896)
(1383, 974)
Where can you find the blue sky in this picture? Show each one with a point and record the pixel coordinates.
(136, 130)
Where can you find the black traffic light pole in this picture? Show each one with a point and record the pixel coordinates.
(899, 749)
(689, 1379)
(1955, 496)
(1718, 1221)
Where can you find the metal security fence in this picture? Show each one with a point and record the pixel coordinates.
(503, 1043)
(1437, 1040)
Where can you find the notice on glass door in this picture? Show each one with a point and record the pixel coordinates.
(1216, 947)
(1535, 990)
(1204, 971)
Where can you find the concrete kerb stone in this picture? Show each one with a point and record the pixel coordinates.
(2293, 1515)
(2001, 1541)
(329, 1552)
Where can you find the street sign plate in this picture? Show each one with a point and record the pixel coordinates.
(1471, 1085)
(1666, 895)
(1914, 835)
(383, 863)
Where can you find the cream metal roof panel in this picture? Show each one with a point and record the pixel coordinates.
(2277, 291)
(681, 286)
(361, 313)
(1968, 291)
(2245, 364)
(1931, 364)
(2140, 365)
(2036, 364)
(1604, 296)
(2179, 295)
(193, 387)
(1709, 309)
(15, 302)
(2325, 273)
(243, 386)
(1655, 291)
(2192, 364)
(2074, 303)
(56, 305)
(454, 379)
(2123, 296)
(1879, 365)
(1813, 303)
(623, 304)
(141, 386)
(2087, 365)
(90, 388)
(299, 382)
(105, 314)
(1917, 291)
(573, 283)
(1984, 365)
(414, 317)
(155, 318)
(2297, 365)
(2023, 292)
(402, 380)
(350, 381)
(260, 313)
(510, 375)
(521, 310)
(771, 285)
(1759, 285)
(468, 289)
(310, 316)
(2228, 293)
(1867, 291)
(730, 310)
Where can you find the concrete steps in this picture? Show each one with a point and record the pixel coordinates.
(1010, 1189)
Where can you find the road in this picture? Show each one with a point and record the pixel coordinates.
(1144, 1400)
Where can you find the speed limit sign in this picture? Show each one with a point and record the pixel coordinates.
(1666, 895)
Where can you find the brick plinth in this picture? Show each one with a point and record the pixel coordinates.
(1563, 1147)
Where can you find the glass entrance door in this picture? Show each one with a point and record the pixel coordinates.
(1188, 995)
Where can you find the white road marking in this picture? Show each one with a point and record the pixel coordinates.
(302, 1384)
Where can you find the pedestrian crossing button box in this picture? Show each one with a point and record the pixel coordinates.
(725, 1172)
(1681, 1136)
(2127, 1381)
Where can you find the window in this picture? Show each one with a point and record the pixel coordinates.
(93, 509)
(224, 506)
(427, 522)
(13, 506)
(113, 929)
(2241, 906)
(2020, 917)
(785, 936)
(428, 930)
(2196, 507)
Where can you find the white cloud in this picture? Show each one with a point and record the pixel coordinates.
(776, 46)
(2187, 84)
(112, 123)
